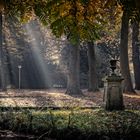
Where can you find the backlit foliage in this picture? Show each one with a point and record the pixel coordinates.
(77, 19)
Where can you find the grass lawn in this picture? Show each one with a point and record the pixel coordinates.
(73, 124)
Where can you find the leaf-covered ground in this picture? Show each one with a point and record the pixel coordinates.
(58, 98)
(67, 124)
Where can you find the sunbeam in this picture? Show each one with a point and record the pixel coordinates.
(37, 55)
(38, 52)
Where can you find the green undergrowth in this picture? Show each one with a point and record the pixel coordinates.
(74, 124)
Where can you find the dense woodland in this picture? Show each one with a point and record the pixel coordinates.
(75, 45)
(68, 44)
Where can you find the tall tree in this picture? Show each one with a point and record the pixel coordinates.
(2, 82)
(124, 61)
(73, 84)
(136, 53)
(130, 11)
(93, 77)
(76, 20)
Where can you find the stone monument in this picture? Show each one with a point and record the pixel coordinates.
(113, 96)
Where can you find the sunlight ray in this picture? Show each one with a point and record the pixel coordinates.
(37, 55)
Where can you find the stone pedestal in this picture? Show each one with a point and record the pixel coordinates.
(113, 97)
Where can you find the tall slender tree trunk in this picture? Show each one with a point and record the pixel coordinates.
(73, 83)
(124, 61)
(136, 54)
(9, 66)
(2, 76)
(93, 78)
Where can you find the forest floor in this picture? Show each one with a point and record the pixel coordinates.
(56, 98)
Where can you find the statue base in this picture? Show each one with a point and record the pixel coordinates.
(113, 96)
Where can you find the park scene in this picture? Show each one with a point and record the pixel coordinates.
(69, 69)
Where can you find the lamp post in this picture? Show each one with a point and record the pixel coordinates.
(19, 76)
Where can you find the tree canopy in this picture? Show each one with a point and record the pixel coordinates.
(76, 19)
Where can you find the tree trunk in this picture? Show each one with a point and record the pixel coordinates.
(124, 61)
(73, 83)
(9, 67)
(136, 54)
(2, 75)
(93, 78)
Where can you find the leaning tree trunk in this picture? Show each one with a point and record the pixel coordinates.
(93, 78)
(2, 84)
(136, 54)
(124, 61)
(73, 83)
